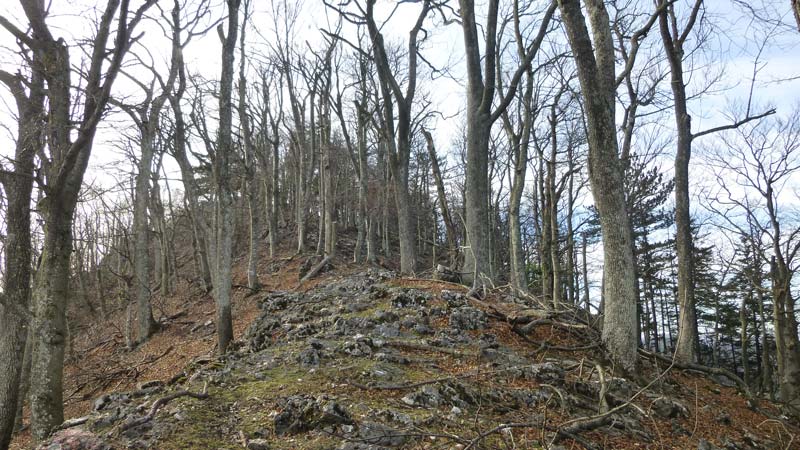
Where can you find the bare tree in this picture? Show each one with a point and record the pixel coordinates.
(69, 153)
(764, 159)
(674, 40)
(223, 215)
(596, 67)
(28, 93)
(481, 114)
(250, 164)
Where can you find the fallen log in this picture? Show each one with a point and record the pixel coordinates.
(315, 270)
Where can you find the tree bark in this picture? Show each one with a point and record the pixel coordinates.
(595, 65)
(69, 157)
(450, 228)
(251, 166)
(141, 232)
(685, 351)
(16, 295)
(224, 228)
(399, 150)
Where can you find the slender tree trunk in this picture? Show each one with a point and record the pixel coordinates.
(224, 205)
(141, 248)
(274, 204)
(767, 385)
(251, 167)
(585, 275)
(743, 322)
(365, 230)
(450, 228)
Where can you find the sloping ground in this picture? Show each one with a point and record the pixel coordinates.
(370, 361)
(99, 363)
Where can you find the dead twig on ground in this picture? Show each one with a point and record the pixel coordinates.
(161, 402)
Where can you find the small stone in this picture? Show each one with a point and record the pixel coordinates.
(101, 402)
(388, 330)
(152, 384)
(309, 357)
(427, 396)
(258, 444)
(723, 418)
(378, 434)
(669, 408)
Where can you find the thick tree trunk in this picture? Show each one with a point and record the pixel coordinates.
(49, 326)
(15, 299)
(786, 340)
(596, 74)
(476, 256)
(405, 217)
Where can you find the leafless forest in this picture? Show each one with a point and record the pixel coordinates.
(634, 162)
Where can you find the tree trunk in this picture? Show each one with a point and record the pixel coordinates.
(685, 351)
(767, 385)
(585, 275)
(49, 326)
(224, 204)
(141, 232)
(476, 257)
(596, 74)
(274, 203)
(250, 169)
(743, 336)
(16, 295)
(786, 340)
(450, 228)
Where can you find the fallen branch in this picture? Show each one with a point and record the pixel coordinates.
(705, 369)
(161, 402)
(69, 423)
(571, 432)
(544, 345)
(315, 270)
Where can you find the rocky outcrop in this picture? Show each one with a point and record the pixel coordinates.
(372, 362)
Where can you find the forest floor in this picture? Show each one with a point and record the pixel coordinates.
(358, 358)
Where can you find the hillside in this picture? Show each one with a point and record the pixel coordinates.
(359, 358)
